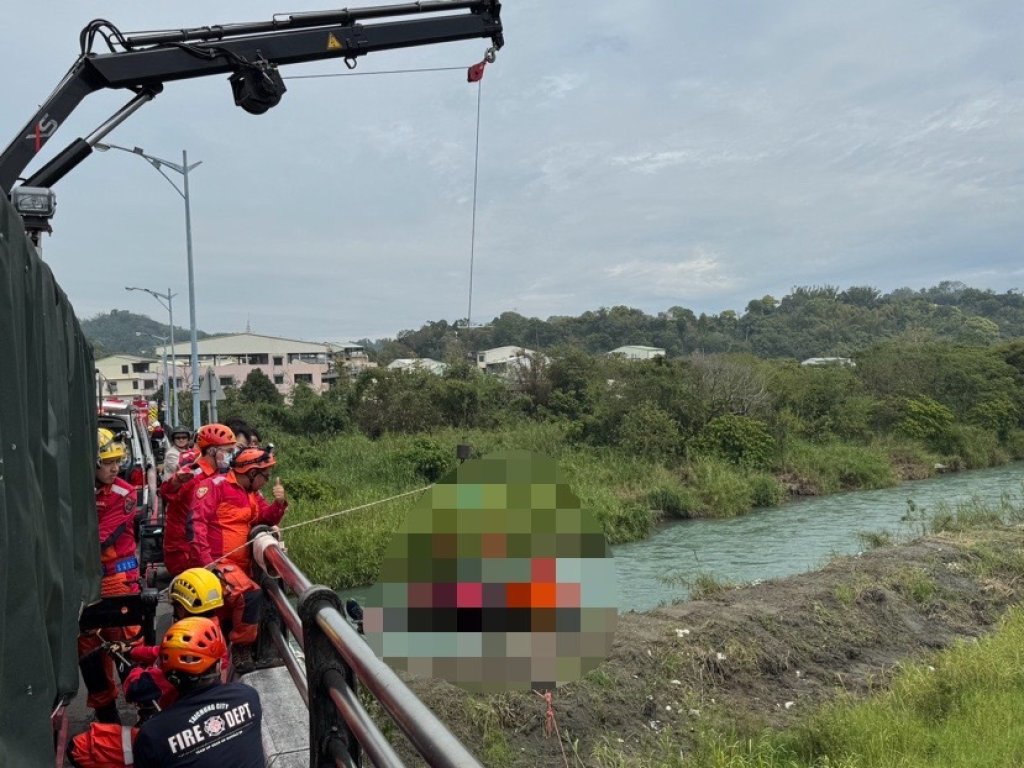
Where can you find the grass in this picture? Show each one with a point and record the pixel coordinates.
(961, 709)
(707, 585)
(875, 539)
(832, 467)
(976, 513)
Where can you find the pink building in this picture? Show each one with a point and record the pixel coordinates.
(286, 362)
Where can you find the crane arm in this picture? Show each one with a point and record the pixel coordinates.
(250, 52)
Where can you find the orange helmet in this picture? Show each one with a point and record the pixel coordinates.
(252, 458)
(192, 646)
(214, 435)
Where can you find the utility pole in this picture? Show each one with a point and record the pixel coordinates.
(183, 169)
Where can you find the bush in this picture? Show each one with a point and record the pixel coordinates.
(1015, 443)
(765, 490)
(740, 440)
(307, 487)
(832, 467)
(673, 501)
(428, 458)
(972, 447)
(722, 489)
(926, 420)
(648, 431)
(998, 414)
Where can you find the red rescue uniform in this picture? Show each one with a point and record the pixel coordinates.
(223, 513)
(115, 509)
(178, 521)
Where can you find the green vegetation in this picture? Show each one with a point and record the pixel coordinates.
(809, 322)
(702, 436)
(959, 709)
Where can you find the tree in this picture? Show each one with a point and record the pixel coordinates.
(257, 388)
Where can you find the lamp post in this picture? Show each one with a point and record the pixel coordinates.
(184, 170)
(167, 395)
(165, 299)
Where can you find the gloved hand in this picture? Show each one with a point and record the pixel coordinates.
(279, 494)
(118, 647)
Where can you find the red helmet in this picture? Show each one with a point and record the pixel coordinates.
(214, 435)
(192, 646)
(248, 459)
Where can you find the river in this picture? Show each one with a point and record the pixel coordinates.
(796, 537)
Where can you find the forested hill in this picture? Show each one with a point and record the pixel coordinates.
(120, 332)
(809, 322)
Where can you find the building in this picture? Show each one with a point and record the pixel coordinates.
(286, 362)
(129, 376)
(638, 352)
(418, 364)
(504, 361)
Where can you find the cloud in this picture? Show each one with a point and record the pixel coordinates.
(700, 275)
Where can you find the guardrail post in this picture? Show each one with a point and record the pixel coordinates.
(327, 729)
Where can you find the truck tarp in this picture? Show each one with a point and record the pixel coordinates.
(49, 549)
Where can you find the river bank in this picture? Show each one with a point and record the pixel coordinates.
(762, 656)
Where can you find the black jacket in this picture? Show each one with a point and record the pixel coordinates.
(214, 727)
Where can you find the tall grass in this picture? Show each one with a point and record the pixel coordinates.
(831, 467)
(963, 709)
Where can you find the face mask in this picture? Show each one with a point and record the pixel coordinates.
(224, 461)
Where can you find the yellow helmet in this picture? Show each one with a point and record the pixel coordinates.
(197, 590)
(109, 445)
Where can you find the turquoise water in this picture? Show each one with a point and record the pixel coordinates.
(797, 537)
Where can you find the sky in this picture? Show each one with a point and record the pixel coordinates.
(651, 154)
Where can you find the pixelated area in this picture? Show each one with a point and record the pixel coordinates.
(496, 581)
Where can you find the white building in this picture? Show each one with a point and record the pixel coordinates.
(286, 362)
(638, 352)
(418, 364)
(130, 376)
(504, 360)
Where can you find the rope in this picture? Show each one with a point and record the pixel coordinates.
(325, 517)
(472, 235)
(551, 725)
(380, 72)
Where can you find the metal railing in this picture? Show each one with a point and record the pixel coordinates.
(337, 659)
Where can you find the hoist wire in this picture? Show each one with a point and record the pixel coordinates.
(476, 175)
(380, 72)
(476, 152)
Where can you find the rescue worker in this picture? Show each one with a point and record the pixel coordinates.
(196, 592)
(215, 443)
(225, 508)
(212, 724)
(180, 440)
(115, 511)
(243, 433)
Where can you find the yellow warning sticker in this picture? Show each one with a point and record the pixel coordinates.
(333, 44)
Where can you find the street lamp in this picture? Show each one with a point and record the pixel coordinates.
(167, 400)
(184, 170)
(165, 300)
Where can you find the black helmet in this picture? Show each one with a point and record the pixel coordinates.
(181, 430)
